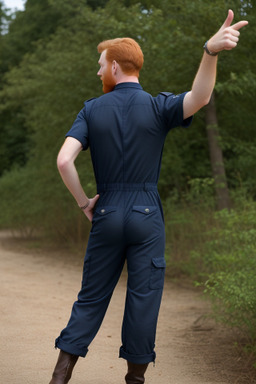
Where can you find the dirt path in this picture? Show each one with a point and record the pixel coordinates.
(37, 291)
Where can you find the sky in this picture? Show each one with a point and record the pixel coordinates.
(19, 4)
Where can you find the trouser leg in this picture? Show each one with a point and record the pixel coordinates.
(146, 268)
(102, 268)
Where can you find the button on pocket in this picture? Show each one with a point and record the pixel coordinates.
(146, 209)
(157, 273)
(105, 210)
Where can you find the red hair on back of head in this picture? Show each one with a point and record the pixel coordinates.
(126, 52)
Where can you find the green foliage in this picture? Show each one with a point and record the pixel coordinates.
(229, 264)
(187, 218)
(37, 22)
(17, 191)
(217, 250)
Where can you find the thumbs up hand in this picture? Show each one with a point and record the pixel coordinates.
(227, 36)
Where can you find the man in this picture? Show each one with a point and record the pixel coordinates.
(125, 129)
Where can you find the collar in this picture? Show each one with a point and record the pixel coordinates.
(127, 85)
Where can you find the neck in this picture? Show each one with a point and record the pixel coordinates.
(127, 79)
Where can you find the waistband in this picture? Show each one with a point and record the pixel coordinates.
(126, 187)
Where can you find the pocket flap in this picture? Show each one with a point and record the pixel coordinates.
(159, 262)
(146, 209)
(105, 210)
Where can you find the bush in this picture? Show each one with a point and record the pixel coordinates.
(34, 200)
(229, 264)
(187, 219)
(217, 249)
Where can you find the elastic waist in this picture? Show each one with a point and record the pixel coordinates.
(126, 187)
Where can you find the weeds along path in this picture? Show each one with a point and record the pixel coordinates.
(37, 292)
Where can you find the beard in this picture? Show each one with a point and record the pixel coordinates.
(108, 81)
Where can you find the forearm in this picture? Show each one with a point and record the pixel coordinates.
(204, 81)
(202, 87)
(71, 179)
(66, 166)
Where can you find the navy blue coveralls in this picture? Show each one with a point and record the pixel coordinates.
(125, 130)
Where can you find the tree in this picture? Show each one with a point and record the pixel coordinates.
(38, 22)
(216, 155)
(2, 18)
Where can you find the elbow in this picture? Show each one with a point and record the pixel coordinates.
(63, 162)
(194, 101)
(207, 100)
(204, 102)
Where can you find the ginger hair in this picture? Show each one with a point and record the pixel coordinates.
(126, 52)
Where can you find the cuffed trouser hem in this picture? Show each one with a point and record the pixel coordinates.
(70, 348)
(137, 359)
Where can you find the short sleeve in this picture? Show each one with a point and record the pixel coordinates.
(171, 108)
(79, 129)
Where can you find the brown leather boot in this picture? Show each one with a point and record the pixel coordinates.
(64, 367)
(135, 374)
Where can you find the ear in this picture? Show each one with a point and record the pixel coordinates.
(114, 67)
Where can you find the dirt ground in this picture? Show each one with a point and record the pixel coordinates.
(37, 291)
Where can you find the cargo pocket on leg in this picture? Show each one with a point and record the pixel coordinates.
(157, 273)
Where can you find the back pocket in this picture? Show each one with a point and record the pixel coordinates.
(106, 224)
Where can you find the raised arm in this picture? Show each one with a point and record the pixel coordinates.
(66, 166)
(225, 39)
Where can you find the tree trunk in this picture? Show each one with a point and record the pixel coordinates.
(216, 156)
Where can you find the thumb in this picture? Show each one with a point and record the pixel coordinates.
(95, 198)
(93, 202)
(228, 20)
